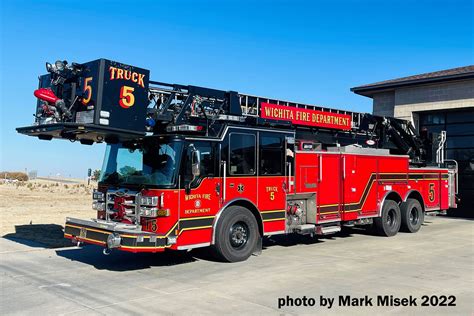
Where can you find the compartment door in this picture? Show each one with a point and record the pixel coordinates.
(329, 195)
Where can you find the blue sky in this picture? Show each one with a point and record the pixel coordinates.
(307, 51)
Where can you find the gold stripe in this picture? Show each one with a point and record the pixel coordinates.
(274, 219)
(193, 228)
(362, 204)
(122, 235)
(193, 218)
(328, 212)
(129, 236)
(85, 238)
(274, 211)
(360, 200)
(362, 195)
(143, 247)
(371, 183)
(91, 229)
(328, 205)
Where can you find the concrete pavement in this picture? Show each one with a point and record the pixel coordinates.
(438, 260)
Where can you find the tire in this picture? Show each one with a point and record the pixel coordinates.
(236, 235)
(412, 216)
(389, 223)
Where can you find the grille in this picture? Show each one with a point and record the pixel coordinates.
(122, 204)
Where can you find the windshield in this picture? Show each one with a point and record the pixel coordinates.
(152, 163)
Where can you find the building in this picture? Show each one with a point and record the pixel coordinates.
(435, 101)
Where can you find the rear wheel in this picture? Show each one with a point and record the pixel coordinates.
(236, 234)
(412, 216)
(389, 223)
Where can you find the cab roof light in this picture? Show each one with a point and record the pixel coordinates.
(185, 128)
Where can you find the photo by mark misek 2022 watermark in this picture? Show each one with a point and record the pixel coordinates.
(367, 301)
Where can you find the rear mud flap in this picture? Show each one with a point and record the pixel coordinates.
(258, 247)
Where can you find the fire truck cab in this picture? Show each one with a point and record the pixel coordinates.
(199, 167)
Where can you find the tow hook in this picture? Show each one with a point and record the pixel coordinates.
(106, 251)
(76, 242)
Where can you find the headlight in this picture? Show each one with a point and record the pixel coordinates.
(148, 212)
(98, 196)
(149, 200)
(98, 206)
(154, 212)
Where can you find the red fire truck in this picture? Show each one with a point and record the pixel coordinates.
(188, 167)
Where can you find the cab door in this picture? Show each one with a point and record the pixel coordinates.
(201, 195)
(239, 163)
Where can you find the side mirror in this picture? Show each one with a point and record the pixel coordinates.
(196, 163)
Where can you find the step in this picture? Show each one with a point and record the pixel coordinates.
(305, 229)
(326, 230)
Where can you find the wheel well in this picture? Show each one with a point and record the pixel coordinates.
(252, 208)
(417, 196)
(394, 197)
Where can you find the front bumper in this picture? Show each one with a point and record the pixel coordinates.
(132, 238)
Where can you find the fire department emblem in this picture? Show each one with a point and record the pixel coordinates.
(197, 203)
(240, 188)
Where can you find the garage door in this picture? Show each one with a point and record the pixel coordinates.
(459, 126)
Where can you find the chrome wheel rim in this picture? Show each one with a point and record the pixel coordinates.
(391, 218)
(414, 216)
(238, 235)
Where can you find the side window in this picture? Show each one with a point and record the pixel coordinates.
(242, 154)
(207, 162)
(271, 154)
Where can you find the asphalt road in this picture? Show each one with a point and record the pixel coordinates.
(436, 261)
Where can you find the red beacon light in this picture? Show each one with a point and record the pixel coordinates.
(47, 95)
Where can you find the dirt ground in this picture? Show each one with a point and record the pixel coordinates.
(36, 210)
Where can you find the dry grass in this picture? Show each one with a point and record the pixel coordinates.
(43, 205)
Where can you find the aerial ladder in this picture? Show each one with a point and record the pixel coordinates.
(77, 102)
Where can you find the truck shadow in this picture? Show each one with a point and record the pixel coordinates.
(39, 236)
(51, 236)
(290, 240)
(346, 232)
(124, 261)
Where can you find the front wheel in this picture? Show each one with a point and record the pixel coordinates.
(412, 216)
(236, 234)
(389, 223)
